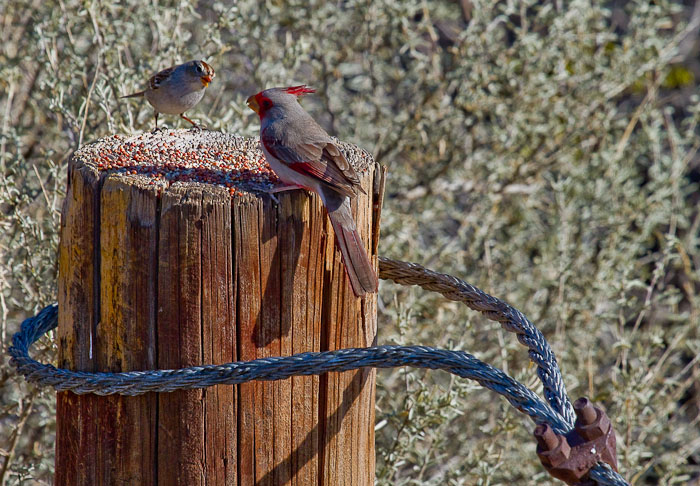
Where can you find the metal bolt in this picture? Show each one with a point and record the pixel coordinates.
(546, 438)
(585, 411)
(592, 423)
(553, 449)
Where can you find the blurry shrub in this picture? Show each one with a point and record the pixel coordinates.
(543, 151)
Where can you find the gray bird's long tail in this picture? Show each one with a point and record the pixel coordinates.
(362, 277)
(134, 95)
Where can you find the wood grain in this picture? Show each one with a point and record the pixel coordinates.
(187, 274)
(299, 259)
(78, 308)
(219, 335)
(125, 334)
(253, 454)
(348, 322)
(181, 414)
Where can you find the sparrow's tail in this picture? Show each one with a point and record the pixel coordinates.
(357, 264)
(135, 95)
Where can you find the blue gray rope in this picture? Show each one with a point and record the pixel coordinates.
(267, 369)
(511, 319)
(559, 415)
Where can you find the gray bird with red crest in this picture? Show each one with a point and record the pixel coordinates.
(304, 156)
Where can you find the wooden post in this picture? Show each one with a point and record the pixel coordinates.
(170, 258)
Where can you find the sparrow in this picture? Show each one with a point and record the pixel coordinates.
(177, 89)
(304, 156)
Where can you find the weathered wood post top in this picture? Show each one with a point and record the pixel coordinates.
(173, 254)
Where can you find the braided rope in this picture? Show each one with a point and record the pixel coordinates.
(559, 415)
(602, 473)
(268, 369)
(511, 320)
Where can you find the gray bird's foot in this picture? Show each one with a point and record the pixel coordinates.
(287, 187)
(283, 188)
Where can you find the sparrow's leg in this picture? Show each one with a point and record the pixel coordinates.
(194, 125)
(156, 129)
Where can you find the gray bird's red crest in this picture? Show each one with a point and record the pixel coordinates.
(299, 90)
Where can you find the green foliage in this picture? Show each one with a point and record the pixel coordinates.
(546, 152)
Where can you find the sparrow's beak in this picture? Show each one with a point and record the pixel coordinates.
(206, 80)
(253, 104)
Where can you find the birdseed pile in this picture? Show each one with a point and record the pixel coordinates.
(171, 156)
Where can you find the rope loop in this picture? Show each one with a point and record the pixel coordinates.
(557, 411)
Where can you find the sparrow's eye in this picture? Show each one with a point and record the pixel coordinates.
(266, 104)
(199, 68)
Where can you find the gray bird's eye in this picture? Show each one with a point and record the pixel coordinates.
(199, 68)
